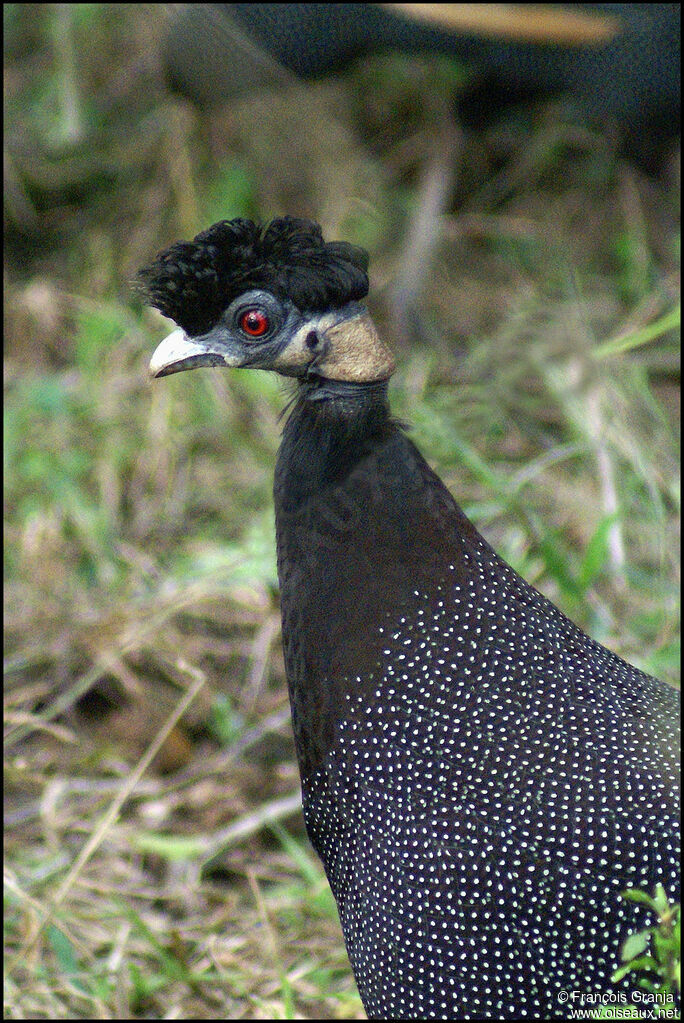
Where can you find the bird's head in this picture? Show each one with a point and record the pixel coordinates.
(278, 298)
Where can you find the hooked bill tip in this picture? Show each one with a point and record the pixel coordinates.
(177, 352)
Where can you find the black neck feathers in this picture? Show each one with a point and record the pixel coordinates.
(331, 428)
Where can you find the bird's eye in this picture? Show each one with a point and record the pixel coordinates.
(254, 322)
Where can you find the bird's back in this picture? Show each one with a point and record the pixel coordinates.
(480, 779)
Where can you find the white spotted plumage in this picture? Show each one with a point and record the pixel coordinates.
(479, 859)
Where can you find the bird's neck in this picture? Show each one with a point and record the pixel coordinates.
(332, 426)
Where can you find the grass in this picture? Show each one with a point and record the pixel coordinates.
(156, 863)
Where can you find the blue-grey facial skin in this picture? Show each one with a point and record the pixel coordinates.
(227, 344)
(342, 342)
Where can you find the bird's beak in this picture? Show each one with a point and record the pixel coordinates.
(178, 352)
(345, 348)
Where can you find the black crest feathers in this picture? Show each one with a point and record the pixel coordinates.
(193, 282)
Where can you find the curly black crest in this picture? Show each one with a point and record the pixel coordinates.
(193, 282)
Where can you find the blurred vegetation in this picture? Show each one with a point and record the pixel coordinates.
(139, 547)
(656, 950)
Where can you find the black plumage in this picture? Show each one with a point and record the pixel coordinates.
(193, 282)
(480, 779)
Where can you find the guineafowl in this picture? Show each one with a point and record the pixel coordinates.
(480, 778)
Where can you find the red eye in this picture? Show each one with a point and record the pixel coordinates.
(254, 322)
